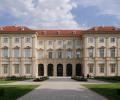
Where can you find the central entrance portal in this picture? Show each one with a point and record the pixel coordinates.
(59, 70)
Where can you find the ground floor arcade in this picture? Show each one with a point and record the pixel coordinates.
(60, 70)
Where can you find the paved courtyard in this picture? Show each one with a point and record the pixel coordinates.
(61, 89)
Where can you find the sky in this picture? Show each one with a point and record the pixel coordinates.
(60, 14)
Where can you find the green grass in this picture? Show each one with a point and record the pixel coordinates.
(5, 81)
(107, 90)
(13, 92)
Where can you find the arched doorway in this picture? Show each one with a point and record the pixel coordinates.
(59, 70)
(40, 70)
(69, 70)
(50, 70)
(78, 70)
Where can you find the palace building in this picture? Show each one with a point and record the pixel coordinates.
(32, 53)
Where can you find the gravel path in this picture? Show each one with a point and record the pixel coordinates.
(61, 89)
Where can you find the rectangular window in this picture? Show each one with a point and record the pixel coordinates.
(69, 53)
(90, 52)
(90, 68)
(5, 39)
(5, 68)
(112, 52)
(27, 68)
(27, 52)
(50, 55)
(17, 40)
(112, 68)
(101, 52)
(16, 68)
(40, 54)
(101, 68)
(69, 42)
(5, 52)
(90, 40)
(50, 42)
(112, 40)
(59, 42)
(16, 52)
(101, 39)
(28, 40)
(78, 42)
(40, 42)
(59, 54)
(78, 53)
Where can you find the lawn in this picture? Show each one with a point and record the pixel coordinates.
(107, 90)
(5, 81)
(13, 92)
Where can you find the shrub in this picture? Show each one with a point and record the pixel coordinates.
(40, 79)
(79, 78)
(19, 78)
(109, 78)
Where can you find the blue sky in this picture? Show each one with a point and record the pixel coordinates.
(60, 14)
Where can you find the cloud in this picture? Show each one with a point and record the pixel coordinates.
(53, 14)
(42, 14)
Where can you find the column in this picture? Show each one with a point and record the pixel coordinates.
(55, 70)
(45, 70)
(64, 69)
(85, 67)
(34, 62)
(118, 57)
(22, 67)
(107, 58)
(73, 69)
(0, 57)
(10, 57)
(96, 57)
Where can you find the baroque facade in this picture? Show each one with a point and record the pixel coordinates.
(32, 53)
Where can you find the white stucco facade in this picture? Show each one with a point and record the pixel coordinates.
(32, 54)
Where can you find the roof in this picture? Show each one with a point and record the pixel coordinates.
(59, 32)
(104, 28)
(14, 28)
(23, 29)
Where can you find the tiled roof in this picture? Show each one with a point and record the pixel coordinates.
(59, 32)
(14, 28)
(10, 29)
(104, 28)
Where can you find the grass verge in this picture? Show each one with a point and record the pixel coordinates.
(107, 90)
(13, 92)
(5, 81)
